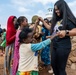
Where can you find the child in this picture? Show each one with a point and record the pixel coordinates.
(22, 22)
(28, 62)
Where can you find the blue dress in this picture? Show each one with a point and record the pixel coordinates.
(45, 53)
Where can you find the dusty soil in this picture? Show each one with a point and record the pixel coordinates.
(1, 64)
(42, 72)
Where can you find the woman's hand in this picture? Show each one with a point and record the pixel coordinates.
(45, 24)
(41, 19)
(61, 33)
(37, 21)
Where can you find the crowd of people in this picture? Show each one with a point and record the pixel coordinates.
(26, 45)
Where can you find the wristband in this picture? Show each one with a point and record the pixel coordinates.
(66, 32)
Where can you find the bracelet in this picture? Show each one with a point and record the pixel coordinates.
(66, 32)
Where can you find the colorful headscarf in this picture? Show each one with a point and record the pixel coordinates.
(11, 31)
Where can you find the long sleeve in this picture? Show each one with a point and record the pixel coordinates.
(38, 46)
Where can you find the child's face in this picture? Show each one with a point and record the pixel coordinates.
(25, 22)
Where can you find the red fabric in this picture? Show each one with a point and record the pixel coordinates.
(11, 31)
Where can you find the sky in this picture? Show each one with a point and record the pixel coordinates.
(28, 8)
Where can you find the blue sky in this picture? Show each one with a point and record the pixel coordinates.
(28, 8)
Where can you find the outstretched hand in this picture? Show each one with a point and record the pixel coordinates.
(52, 36)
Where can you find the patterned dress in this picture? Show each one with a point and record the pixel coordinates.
(45, 53)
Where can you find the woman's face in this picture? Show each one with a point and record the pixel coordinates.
(15, 20)
(57, 11)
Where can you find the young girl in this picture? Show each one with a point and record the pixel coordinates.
(28, 62)
(22, 22)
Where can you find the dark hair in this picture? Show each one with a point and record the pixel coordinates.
(47, 22)
(4, 30)
(24, 34)
(65, 14)
(14, 17)
(46, 19)
(19, 21)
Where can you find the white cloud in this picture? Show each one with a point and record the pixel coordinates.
(44, 2)
(22, 2)
(23, 9)
(40, 13)
(22, 5)
(26, 2)
(17, 2)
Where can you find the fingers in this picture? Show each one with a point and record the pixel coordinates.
(61, 34)
(40, 19)
(37, 21)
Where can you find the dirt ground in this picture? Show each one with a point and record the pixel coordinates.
(42, 72)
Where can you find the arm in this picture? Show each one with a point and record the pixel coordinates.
(38, 46)
(11, 40)
(63, 33)
(72, 32)
(34, 29)
(45, 24)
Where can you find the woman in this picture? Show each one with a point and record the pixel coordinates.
(10, 39)
(64, 24)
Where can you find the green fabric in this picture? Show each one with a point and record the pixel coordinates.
(27, 73)
(34, 72)
(3, 44)
(18, 73)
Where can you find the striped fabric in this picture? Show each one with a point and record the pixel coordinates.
(27, 73)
